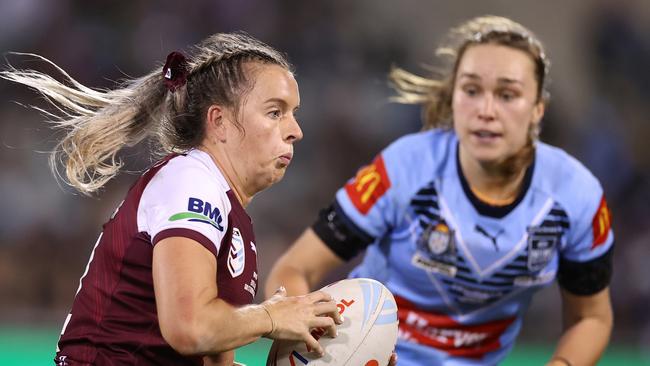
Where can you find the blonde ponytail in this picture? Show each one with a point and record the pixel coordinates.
(99, 123)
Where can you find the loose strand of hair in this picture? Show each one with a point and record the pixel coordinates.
(97, 123)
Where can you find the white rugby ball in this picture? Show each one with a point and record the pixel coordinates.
(366, 338)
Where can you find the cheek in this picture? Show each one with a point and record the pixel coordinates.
(520, 124)
(262, 144)
(462, 106)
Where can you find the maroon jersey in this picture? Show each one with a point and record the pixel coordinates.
(113, 319)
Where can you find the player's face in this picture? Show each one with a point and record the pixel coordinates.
(494, 102)
(265, 149)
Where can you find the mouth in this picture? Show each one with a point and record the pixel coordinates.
(486, 136)
(286, 158)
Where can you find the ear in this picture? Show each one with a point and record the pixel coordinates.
(538, 112)
(215, 124)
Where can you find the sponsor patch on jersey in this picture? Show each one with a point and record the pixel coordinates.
(445, 334)
(601, 223)
(200, 211)
(528, 281)
(542, 241)
(370, 183)
(428, 264)
(236, 254)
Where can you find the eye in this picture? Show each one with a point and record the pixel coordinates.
(275, 114)
(471, 90)
(507, 95)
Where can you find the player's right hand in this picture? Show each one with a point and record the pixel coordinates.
(294, 317)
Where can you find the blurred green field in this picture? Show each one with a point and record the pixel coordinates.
(35, 347)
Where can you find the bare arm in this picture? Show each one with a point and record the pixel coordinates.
(222, 359)
(588, 322)
(193, 320)
(303, 266)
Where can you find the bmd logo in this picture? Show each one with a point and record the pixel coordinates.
(200, 211)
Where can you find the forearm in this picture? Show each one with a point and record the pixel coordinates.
(303, 267)
(221, 359)
(214, 327)
(583, 342)
(293, 280)
(221, 327)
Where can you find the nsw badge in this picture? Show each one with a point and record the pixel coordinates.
(438, 240)
(542, 242)
(436, 250)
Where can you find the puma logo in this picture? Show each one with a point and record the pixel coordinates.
(484, 232)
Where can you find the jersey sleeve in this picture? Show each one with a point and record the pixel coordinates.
(360, 212)
(374, 202)
(185, 201)
(368, 200)
(591, 234)
(586, 259)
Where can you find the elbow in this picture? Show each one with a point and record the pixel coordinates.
(606, 318)
(182, 341)
(609, 321)
(184, 337)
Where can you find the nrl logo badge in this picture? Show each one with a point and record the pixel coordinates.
(542, 242)
(438, 239)
(237, 254)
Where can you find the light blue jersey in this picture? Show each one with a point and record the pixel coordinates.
(463, 276)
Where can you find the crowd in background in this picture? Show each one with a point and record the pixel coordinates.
(341, 51)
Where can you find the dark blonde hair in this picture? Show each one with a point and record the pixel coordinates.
(98, 123)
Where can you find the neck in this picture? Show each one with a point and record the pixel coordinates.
(492, 183)
(227, 168)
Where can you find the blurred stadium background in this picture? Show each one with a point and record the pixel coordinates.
(342, 51)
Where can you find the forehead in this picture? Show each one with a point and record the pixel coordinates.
(272, 82)
(492, 61)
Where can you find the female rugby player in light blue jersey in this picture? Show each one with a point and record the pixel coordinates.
(172, 276)
(467, 219)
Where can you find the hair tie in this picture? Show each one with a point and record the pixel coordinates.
(175, 71)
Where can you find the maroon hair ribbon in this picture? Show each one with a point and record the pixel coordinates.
(175, 71)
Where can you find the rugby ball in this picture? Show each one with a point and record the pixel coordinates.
(366, 338)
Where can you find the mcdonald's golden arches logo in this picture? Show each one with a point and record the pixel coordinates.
(601, 223)
(370, 183)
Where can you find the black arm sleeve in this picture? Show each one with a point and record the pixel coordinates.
(339, 233)
(586, 278)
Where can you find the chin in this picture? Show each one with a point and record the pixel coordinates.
(487, 156)
(278, 175)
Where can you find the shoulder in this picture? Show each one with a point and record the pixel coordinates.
(434, 145)
(191, 166)
(186, 194)
(190, 177)
(421, 155)
(567, 180)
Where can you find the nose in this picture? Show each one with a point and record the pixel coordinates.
(487, 111)
(293, 132)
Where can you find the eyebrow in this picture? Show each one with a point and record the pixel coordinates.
(280, 101)
(501, 80)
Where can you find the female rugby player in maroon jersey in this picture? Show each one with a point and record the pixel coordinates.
(173, 275)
